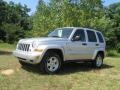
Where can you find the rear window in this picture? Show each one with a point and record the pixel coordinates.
(100, 37)
(91, 36)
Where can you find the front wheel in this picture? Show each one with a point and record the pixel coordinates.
(51, 63)
(98, 62)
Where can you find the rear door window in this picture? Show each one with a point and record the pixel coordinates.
(91, 36)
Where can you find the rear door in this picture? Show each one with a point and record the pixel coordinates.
(92, 43)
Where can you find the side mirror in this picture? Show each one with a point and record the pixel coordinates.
(76, 38)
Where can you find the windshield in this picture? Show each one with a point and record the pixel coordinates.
(61, 33)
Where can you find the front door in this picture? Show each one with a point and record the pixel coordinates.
(78, 46)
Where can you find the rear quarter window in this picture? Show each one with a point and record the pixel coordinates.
(100, 37)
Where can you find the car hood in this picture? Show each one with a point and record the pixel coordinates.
(43, 39)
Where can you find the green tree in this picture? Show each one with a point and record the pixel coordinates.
(114, 15)
(14, 18)
(79, 13)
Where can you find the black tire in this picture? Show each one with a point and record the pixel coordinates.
(44, 63)
(98, 62)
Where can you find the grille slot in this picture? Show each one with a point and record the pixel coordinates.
(23, 47)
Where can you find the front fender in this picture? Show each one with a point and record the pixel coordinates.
(48, 47)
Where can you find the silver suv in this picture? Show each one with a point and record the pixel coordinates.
(63, 44)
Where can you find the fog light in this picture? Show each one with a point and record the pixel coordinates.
(37, 57)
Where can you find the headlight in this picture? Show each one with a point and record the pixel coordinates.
(35, 44)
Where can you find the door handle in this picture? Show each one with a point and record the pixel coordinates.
(97, 44)
(84, 44)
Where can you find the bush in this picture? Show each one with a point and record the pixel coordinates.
(118, 47)
(1, 41)
(112, 53)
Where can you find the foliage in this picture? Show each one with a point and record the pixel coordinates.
(5, 47)
(14, 21)
(113, 36)
(113, 53)
(78, 13)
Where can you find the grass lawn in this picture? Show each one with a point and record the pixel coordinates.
(74, 76)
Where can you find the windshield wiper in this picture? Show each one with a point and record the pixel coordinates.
(55, 36)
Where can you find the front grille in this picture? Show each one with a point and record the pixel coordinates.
(23, 47)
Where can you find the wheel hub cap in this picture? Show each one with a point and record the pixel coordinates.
(52, 64)
(99, 61)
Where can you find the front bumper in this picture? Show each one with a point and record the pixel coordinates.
(28, 57)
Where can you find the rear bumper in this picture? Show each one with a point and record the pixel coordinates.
(28, 57)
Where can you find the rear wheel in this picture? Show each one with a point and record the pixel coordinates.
(50, 63)
(98, 62)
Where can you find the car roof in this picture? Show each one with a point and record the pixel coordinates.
(82, 28)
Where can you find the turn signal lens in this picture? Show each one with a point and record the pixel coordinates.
(38, 50)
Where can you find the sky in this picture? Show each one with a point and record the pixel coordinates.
(33, 3)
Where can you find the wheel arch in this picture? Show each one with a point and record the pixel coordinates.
(100, 52)
(56, 50)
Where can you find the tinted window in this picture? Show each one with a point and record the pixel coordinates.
(91, 36)
(81, 35)
(100, 37)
